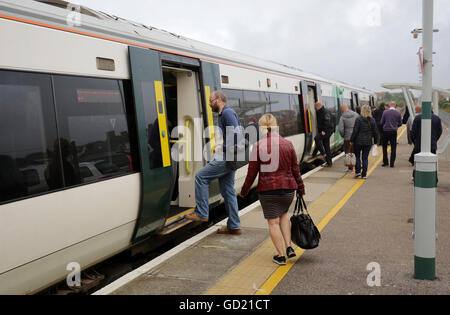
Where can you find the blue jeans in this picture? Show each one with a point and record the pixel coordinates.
(217, 168)
(365, 158)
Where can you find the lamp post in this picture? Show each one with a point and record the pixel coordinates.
(425, 184)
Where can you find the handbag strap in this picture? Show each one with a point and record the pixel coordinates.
(300, 206)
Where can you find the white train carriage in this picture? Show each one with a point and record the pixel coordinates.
(87, 124)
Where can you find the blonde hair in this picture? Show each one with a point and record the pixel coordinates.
(366, 111)
(267, 122)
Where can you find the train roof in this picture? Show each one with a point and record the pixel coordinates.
(55, 12)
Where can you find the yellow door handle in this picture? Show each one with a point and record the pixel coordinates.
(186, 142)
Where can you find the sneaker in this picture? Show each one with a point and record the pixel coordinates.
(194, 217)
(290, 252)
(364, 177)
(358, 175)
(384, 165)
(279, 260)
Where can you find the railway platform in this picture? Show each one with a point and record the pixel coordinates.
(366, 246)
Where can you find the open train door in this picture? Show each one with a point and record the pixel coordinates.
(312, 94)
(355, 102)
(153, 141)
(210, 77)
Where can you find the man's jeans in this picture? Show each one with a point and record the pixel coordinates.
(217, 168)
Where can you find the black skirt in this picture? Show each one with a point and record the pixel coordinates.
(275, 205)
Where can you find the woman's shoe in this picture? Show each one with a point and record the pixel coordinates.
(290, 252)
(279, 260)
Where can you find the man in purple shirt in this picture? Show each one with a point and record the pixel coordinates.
(391, 121)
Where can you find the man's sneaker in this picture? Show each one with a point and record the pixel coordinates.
(364, 177)
(194, 217)
(279, 260)
(358, 175)
(290, 252)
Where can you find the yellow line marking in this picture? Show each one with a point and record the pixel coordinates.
(179, 215)
(281, 271)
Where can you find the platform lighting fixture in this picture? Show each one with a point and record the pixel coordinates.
(418, 31)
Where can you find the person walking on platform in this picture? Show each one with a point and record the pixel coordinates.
(277, 184)
(217, 168)
(391, 121)
(377, 115)
(416, 134)
(324, 132)
(364, 131)
(346, 124)
(418, 110)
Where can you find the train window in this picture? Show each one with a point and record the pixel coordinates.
(286, 113)
(235, 100)
(28, 133)
(294, 100)
(255, 104)
(93, 128)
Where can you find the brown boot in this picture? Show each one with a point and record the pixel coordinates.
(225, 230)
(194, 217)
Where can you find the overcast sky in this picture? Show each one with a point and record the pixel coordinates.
(363, 42)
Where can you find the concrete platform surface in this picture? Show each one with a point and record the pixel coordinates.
(364, 223)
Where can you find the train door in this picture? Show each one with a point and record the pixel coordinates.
(153, 141)
(312, 96)
(182, 92)
(355, 102)
(338, 140)
(188, 114)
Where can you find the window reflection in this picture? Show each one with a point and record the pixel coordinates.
(95, 141)
(251, 105)
(27, 133)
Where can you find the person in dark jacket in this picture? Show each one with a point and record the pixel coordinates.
(416, 132)
(324, 131)
(377, 115)
(418, 110)
(391, 121)
(275, 159)
(416, 135)
(364, 135)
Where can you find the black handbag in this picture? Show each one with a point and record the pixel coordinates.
(304, 233)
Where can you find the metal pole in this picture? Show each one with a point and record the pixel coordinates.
(425, 184)
(436, 102)
(409, 103)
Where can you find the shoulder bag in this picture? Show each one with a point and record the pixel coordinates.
(304, 233)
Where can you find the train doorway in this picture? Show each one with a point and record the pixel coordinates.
(185, 129)
(312, 98)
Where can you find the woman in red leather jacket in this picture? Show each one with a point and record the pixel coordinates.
(275, 160)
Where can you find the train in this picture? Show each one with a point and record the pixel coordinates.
(92, 116)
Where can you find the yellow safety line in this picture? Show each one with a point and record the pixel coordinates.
(281, 271)
(179, 215)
